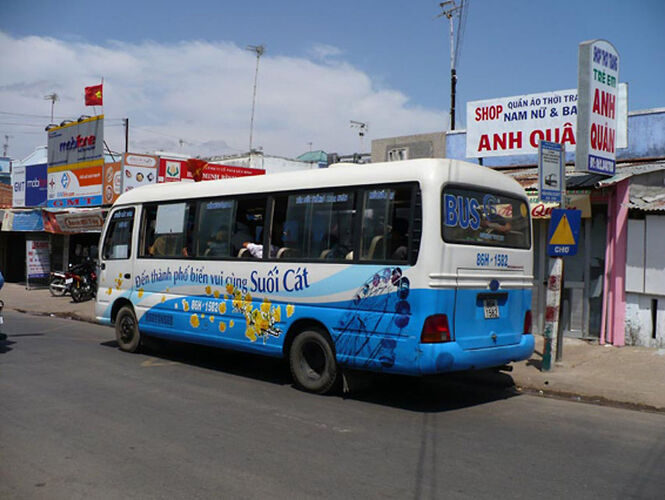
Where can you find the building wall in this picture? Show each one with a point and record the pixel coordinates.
(431, 145)
(271, 164)
(639, 320)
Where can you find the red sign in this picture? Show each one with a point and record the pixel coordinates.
(174, 170)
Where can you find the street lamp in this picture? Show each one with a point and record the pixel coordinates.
(52, 97)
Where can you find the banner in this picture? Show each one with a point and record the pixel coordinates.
(75, 162)
(138, 170)
(37, 258)
(175, 170)
(22, 220)
(112, 186)
(515, 125)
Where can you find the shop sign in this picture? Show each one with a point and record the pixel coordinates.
(18, 186)
(74, 221)
(543, 210)
(75, 162)
(37, 258)
(112, 184)
(515, 125)
(35, 185)
(597, 84)
(22, 220)
(138, 170)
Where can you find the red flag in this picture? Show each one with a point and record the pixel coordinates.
(196, 167)
(93, 95)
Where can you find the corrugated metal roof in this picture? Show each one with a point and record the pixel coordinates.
(528, 177)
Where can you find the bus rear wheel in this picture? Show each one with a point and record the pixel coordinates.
(127, 330)
(312, 361)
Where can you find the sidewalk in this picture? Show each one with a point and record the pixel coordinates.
(631, 376)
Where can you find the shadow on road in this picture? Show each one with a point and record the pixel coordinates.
(4, 344)
(422, 394)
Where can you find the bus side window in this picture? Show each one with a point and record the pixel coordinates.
(168, 229)
(385, 231)
(118, 239)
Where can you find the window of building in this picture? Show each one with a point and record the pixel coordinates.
(397, 154)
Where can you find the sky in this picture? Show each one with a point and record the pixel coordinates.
(181, 73)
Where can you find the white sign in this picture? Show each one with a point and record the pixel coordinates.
(18, 186)
(138, 170)
(551, 171)
(37, 258)
(597, 83)
(515, 125)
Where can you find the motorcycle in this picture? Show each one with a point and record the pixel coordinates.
(84, 286)
(61, 282)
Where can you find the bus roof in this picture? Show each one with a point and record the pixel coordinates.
(427, 171)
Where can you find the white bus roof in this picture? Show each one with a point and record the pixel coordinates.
(427, 171)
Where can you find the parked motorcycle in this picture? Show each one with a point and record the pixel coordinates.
(61, 282)
(84, 285)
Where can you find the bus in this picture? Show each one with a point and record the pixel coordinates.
(412, 267)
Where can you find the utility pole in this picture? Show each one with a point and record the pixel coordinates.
(126, 123)
(52, 97)
(5, 146)
(259, 50)
(450, 9)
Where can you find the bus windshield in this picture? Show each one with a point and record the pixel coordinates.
(482, 217)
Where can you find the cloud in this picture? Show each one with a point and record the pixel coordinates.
(196, 97)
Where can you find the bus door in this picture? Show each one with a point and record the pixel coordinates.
(115, 266)
(489, 239)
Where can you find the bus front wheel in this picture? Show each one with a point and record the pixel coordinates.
(312, 361)
(127, 330)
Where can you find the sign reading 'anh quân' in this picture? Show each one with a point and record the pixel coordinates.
(597, 83)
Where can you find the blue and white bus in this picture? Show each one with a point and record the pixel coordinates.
(414, 267)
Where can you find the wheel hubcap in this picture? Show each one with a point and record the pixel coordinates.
(126, 330)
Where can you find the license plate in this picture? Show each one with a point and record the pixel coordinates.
(491, 309)
(69, 281)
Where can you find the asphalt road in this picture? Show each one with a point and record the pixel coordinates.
(80, 419)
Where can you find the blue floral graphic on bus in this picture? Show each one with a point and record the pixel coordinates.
(368, 333)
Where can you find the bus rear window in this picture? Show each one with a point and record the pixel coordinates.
(475, 217)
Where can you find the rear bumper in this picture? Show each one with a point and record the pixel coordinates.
(448, 357)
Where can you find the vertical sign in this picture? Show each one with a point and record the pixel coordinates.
(551, 171)
(597, 84)
(37, 258)
(138, 170)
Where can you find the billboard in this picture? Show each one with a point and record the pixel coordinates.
(138, 170)
(175, 170)
(514, 125)
(35, 185)
(112, 183)
(5, 164)
(75, 162)
(597, 84)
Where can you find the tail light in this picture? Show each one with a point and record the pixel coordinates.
(527, 322)
(435, 329)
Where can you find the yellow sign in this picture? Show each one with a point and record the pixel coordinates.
(563, 235)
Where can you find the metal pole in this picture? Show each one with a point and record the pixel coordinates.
(453, 75)
(259, 49)
(126, 120)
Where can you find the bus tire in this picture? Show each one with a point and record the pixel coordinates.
(312, 361)
(127, 330)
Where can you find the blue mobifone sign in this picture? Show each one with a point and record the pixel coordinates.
(564, 232)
